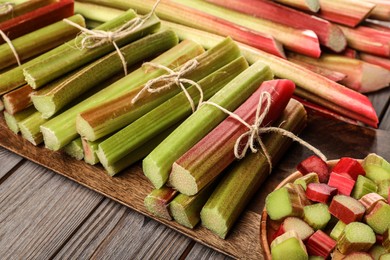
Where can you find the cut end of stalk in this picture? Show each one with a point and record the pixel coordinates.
(29, 136)
(50, 139)
(374, 78)
(154, 173)
(157, 208)
(85, 129)
(102, 157)
(178, 213)
(337, 41)
(75, 150)
(11, 122)
(29, 79)
(44, 104)
(313, 5)
(214, 221)
(182, 180)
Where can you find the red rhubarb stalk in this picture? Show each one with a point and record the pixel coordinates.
(380, 61)
(328, 34)
(36, 19)
(327, 73)
(305, 5)
(18, 99)
(210, 156)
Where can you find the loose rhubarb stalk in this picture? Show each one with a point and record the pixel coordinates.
(210, 156)
(368, 40)
(380, 61)
(327, 73)
(18, 99)
(347, 12)
(96, 12)
(118, 113)
(75, 149)
(328, 34)
(37, 19)
(12, 121)
(23, 8)
(243, 180)
(165, 115)
(188, 16)
(60, 93)
(14, 78)
(29, 128)
(311, 86)
(381, 10)
(74, 57)
(157, 202)
(61, 129)
(39, 41)
(185, 210)
(305, 5)
(361, 76)
(301, 41)
(158, 163)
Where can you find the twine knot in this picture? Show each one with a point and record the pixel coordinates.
(6, 7)
(172, 78)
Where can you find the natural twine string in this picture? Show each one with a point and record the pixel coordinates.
(12, 47)
(256, 130)
(95, 38)
(6, 7)
(172, 78)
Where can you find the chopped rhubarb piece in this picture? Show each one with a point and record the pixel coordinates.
(363, 186)
(346, 209)
(376, 251)
(301, 193)
(288, 246)
(369, 200)
(337, 230)
(314, 164)
(378, 218)
(343, 183)
(336, 255)
(358, 256)
(306, 179)
(349, 166)
(356, 237)
(320, 192)
(376, 167)
(283, 203)
(386, 240)
(320, 244)
(316, 215)
(303, 230)
(384, 188)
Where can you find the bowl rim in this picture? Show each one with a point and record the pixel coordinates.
(264, 215)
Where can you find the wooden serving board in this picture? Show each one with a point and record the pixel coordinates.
(129, 188)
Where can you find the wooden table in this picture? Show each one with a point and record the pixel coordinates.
(44, 215)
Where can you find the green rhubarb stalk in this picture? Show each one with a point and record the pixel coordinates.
(314, 87)
(90, 148)
(96, 12)
(75, 149)
(169, 113)
(23, 8)
(157, 202)
(58, 94)
(14, 78)
(185, 210)
(61, 129)
(12, 121)
(158, 163)
(75, 55)
(39, 41)
(246, 176)
(118, 113)
(29, 128)
(18, 99)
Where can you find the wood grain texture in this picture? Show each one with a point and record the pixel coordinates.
(8, 161)
(200, 252)
(39, 211)
(334, 138)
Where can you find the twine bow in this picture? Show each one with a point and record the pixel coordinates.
(173, 77)
(6, 7)
(12, 47)
(256, 130)
(95, 38)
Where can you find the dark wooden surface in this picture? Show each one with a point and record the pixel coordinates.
(45, 215)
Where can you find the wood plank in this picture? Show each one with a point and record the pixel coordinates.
(114, 231)
(8, 161)
(200, 252)
(334, 138)
(39, 211)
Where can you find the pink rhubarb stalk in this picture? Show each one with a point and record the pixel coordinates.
(305, 5)
(347, 12)
(328, 34)
(381, 10)
(210, 156)
(320, 244)
(376, 60)
(327, 73)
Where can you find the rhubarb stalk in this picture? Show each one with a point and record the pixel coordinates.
(305, 5)
(210, 156)
(61, 129)
(29, 128)
(96, 12)
(380, 61)
(168, 113)
(12, 121)
(18, 99)
(246, 176)
(23, 8)
(157, 202)
(381, 10)
(75, 149)
(328, 34)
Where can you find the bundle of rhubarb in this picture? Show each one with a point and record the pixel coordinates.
(324, 32)
(343, 212)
